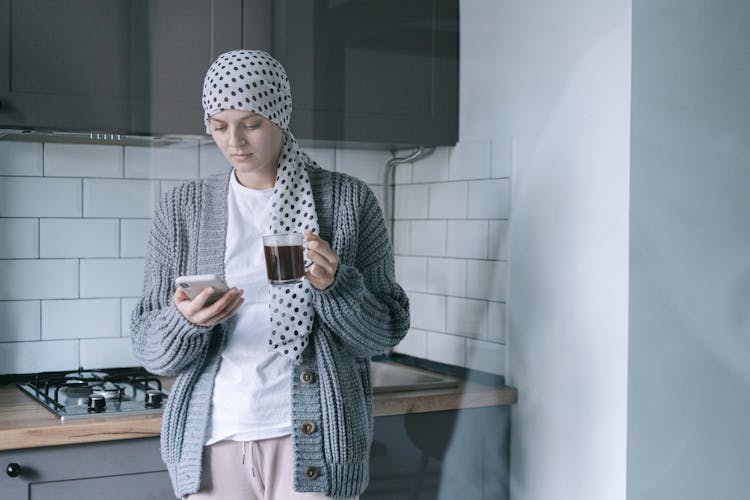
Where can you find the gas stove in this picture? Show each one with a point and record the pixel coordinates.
(97, 393)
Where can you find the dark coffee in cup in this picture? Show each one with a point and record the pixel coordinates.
(284, 258)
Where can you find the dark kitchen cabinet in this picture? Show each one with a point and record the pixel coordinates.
(117, 470)
(443, 455)
(420, 456)
(368, 71)
(108, 65)
(377, 72)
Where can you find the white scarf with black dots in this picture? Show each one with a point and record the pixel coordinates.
(252, 80)
(293, 211)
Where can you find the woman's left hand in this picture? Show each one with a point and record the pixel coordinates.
(325, 262)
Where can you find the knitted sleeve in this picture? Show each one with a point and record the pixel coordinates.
(163, 340)
(364, 306)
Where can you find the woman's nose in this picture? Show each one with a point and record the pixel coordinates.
(235, 137)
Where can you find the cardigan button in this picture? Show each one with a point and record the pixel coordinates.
(308, 427)
(312, 473)
(307, 377)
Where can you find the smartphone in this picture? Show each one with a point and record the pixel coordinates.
(193, 285)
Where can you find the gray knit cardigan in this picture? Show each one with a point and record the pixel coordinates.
(363, 313)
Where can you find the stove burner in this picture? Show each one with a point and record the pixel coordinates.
(102, 392)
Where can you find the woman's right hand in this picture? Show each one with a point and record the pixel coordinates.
(195, 312)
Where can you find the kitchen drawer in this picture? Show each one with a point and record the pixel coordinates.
(118, 470)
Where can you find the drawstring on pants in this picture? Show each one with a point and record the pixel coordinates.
(244, 451)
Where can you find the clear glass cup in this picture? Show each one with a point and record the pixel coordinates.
(285, 263)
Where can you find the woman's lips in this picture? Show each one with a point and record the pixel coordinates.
(241, 157)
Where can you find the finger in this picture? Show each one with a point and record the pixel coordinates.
(220, 310)
(322, 274)
(316, 280)
(199, 312)
(322, 261)
(180, 296)
(224, 313)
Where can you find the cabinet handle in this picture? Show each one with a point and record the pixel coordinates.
(13, 470)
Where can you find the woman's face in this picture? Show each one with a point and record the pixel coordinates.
(250, 142)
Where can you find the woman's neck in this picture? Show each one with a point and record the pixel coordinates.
(254, 180)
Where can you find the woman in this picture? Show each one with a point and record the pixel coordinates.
(255, 413)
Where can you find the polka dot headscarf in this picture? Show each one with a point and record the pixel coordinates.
(252, 80)
(249, 80)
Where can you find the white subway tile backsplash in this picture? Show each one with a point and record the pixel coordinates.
(411, 273)
(325, 157)
(38, 279)
(80, 318)
(402, 174)
(499, 240)
(211, 160)
(82, 160)
(470, 160)
(428, 237)
(366, 165)
(487, 279)
(32, 357)
(119, 198)
(410, 201)
(433, 168)
(76, 238)
(448, 349)
(467, 317)
(451, 210)
(20, 320)
(485, 356)
(467, 239)
(176, 161)
(446, 276)
(134, 237)
(20, 158)
(489, 199)
(127, 307)
(107, 353)
(19, 238)
(427, 311)
(111, 277)
(413, 344)
(501, 156)
(496, 323)
(40, 197)
(401, 236)
(447, 200)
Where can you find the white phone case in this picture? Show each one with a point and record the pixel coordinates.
(193, 285)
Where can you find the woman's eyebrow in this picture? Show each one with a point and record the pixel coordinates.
(252, 115)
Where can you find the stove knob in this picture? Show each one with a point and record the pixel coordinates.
(153, 398)
(97, 403)
(13, 470)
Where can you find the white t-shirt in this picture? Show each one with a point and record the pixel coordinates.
(252, 393)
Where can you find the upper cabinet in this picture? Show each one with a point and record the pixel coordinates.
(370, 70)
(362, 71)
(132, 66)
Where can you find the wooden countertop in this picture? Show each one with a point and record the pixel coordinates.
(24, 423)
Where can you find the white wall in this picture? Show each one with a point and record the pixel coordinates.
(555, 77)
(689, 375)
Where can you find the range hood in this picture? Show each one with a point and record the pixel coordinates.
(105, 138)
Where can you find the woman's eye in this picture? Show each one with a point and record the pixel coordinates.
(219, 128)
(252, 125)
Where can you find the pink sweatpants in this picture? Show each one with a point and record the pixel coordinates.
(250, 470)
